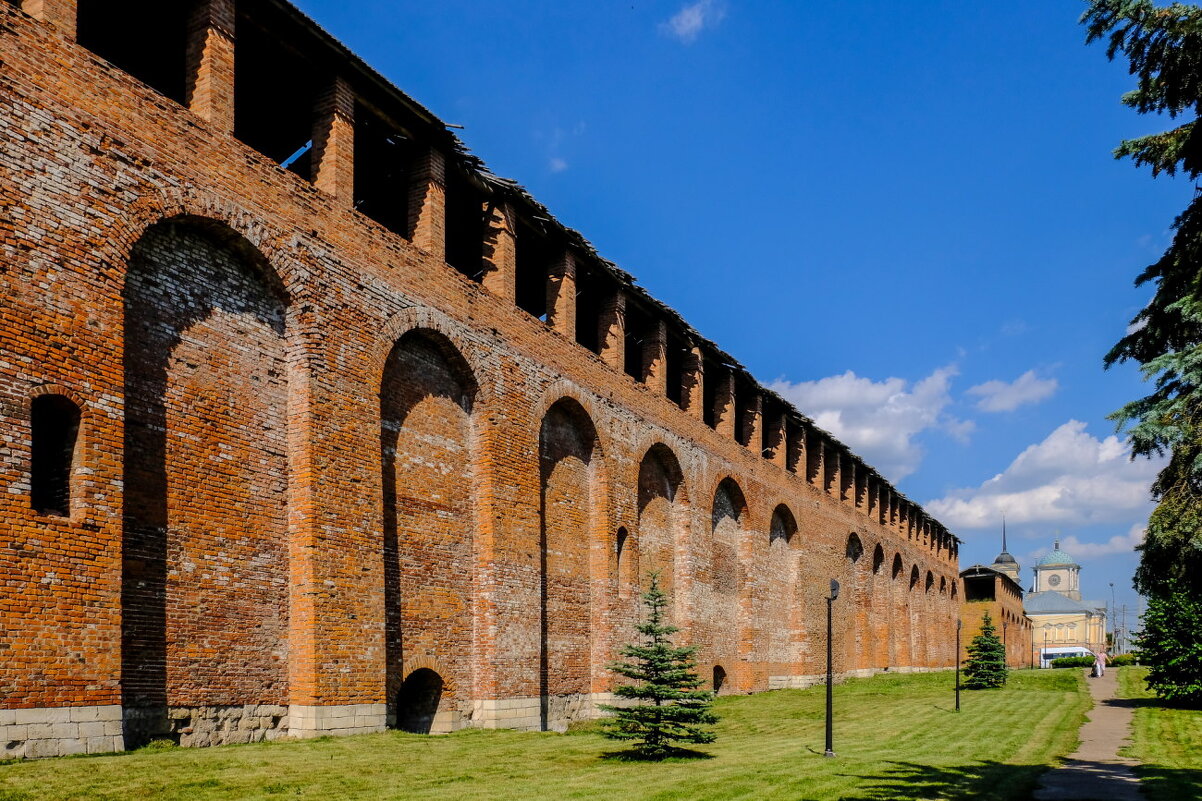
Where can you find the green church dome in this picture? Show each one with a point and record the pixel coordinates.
(1056, 557)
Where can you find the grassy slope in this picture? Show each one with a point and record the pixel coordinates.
(1167, 741)
(896, 736)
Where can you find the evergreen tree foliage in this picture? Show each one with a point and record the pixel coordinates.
(986, 665)
(1171, 644)
(1163, 47)
(668, 705)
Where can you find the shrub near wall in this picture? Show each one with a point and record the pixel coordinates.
(1073, 662)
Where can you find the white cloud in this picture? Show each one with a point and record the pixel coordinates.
(1084, 551)
(1002, 396)
(688, 23)
(879, 419)
(1070, 478)
(557, 164)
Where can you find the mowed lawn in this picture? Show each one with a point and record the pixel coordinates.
(1166, 740)
(896, 737)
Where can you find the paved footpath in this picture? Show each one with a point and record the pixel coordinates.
(1095, 771)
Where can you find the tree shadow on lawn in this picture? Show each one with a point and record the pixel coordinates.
(673, 755)
(983, 781)
(1169, 784)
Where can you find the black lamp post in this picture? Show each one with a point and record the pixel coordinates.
(1005, 650)
(830, 698)
(1110, 623)
(958, 624)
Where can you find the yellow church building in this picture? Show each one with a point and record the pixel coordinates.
(1061, 621)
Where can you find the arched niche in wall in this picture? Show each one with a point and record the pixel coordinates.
(427, 392)
(855, 548)
(205, 472)
(781, 614)
(663, 517)
(854, 598)
(569, 454)
(728, 517)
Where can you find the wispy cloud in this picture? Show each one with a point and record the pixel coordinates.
(555, 141)
(1006, 396)
(880, 419)
(1015, 327)
(1070, 478)
(688, 23)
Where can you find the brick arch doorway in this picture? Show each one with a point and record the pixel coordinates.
(417, 702)
(719, 679)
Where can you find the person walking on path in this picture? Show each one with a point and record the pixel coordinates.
(1095, 770)
(1099, 663)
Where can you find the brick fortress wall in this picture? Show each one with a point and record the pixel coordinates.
(992, 592)
(363, 437)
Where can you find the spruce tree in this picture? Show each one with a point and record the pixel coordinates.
(668, 705)
(1171, 644)
(1163, 48)
(986, 666)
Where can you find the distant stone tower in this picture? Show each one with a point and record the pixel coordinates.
(1058, 572)
(1005, 563)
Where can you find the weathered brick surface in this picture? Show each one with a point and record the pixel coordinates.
(314, 457)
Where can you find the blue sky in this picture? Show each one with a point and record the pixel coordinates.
(906, 216)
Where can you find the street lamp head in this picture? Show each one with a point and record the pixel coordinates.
(959, 623)
(834, 589)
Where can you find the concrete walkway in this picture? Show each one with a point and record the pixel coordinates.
(1095, 772)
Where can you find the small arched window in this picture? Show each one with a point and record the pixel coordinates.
(782, 527)
(54, 424)
(854, 548)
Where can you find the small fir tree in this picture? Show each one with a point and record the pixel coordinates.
(668, 705)
(986, 666)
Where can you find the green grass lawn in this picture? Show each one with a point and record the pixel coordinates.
(896, 737)
(1167, 741)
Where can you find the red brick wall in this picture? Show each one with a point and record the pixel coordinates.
(231, 334)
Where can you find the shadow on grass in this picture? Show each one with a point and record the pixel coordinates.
(1169, 784)
(987, 781)
(1134, 703)
(672, 755)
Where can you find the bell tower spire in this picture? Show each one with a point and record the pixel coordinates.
(1005, 563)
